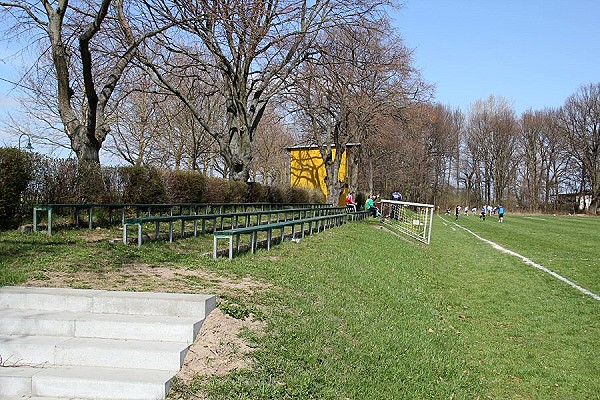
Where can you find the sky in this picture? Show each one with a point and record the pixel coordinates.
(533, 53)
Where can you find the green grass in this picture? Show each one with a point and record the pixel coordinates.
(567, 245)
(356, 312)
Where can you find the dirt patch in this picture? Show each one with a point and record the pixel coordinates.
(218, 348)
(100, 235)
(144, 277)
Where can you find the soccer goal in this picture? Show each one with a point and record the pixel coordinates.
(412, 219)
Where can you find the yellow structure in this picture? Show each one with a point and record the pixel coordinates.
(307, 169)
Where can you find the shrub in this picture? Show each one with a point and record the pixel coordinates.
(256, 193)
(236, 192)
(216, 190)
(184, 186)
(298, 195)
(276, 195)
(15, 173)
(67, 181)
(90, 184)
(55, 181)
(142, 185)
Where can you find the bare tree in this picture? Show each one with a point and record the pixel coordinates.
(90, 46)
(544, 158)
(492, 143)
(417, 154)
(580, 122)
(249, 50)
(271, 160)
(358, 74)
(446, 127)
(138, 123)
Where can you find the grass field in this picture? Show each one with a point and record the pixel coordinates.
(359, 313)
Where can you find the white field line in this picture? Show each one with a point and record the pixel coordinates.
(533, 264)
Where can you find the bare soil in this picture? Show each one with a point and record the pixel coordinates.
(218, 348)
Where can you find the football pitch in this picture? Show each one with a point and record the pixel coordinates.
(568, 246)
(531, 286)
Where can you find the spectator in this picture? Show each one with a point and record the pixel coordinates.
(370, 205)
(350, 202)
(395, 208)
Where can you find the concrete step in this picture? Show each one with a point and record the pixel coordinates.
(110, 326)
(104, 301)
(113, 353)
(16, 381)
(38, 398)
(83, 383)
(59, 344)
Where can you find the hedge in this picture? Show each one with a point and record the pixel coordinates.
(43, 179)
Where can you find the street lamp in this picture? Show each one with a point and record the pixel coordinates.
(29, 146)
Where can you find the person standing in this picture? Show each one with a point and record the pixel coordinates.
(500, 213)
(456, 213)
(350, 203)
(395, 208)
(482, 215)
(396, 196)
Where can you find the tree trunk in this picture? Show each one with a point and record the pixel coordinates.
(85, 150)
(594, 193)
(334, 185)
(353, 163)
(237, 152)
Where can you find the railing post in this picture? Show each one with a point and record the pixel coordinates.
(49, 221)
(139, 235)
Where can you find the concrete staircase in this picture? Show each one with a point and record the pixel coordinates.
(94, 344)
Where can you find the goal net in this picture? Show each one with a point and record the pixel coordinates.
(412, 219)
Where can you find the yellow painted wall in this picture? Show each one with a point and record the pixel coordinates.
(307, 169)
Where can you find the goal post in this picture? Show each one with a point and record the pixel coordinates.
(411, 219)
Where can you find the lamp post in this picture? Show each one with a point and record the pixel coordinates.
(29, 146)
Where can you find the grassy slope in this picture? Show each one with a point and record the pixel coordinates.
(371, 316)
(358, 313)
